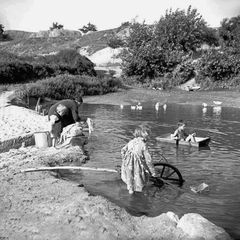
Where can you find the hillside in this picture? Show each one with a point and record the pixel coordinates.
(45, 42)
(92, 45)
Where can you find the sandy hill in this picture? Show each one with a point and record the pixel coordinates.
(93, 45)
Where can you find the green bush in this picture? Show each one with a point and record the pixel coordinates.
(162, 83)
(155, 50)
(67, 86)
(165, 82)
(68, 61)
(43, 70)
(183, 72)
(15, 72)
(7, 56)
(233, 83)
(218, 65)
(18, 69)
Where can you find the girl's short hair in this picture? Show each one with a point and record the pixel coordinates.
(141, 131)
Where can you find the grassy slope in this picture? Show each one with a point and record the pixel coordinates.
(22, 44)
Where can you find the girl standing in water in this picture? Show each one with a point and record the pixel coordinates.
(137, 164)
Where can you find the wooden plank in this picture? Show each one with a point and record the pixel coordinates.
(67, 168)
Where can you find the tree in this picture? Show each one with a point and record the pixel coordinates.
(1, 29)
(2, 34)
(88, 28)
(229, 32)
(182, 30)
(115, 42)
(145, 56)
(136, 57)
(56, 26)
(154, 50)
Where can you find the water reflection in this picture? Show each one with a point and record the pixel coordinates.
(217, 165)
(204, 110)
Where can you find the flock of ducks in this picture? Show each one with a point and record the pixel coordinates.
(215, 105)
(158, 104)
(137, 107)
(140, 107)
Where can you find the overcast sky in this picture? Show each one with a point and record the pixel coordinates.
(36, 15)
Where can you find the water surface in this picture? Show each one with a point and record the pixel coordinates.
(217, 166)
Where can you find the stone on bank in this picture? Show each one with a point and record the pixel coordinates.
(197, 227)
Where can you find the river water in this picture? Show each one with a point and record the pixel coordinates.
(218, 166)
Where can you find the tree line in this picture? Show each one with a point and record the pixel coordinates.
(170, 52)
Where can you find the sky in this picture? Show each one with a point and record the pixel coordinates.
(37, 15)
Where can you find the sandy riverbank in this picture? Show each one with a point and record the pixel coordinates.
(40, 206)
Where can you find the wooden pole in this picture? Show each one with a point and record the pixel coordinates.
(67, 168)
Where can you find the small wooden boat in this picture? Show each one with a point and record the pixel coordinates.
(200, 141)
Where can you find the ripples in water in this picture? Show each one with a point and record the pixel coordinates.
(218, 166)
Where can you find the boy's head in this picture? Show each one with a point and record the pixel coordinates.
(181, 124)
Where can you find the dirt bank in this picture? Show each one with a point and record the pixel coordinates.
(39, 205)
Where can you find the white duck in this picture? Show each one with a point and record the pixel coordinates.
(165, 106)
(121, 106)
(157, 105)
(139, 106)
(217, 103)
(204, 110)
(204, 105)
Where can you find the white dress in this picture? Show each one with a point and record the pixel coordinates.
(137, 164)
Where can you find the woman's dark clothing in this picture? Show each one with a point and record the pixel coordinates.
(70, 117)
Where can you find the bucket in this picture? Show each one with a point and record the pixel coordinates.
(42, 139)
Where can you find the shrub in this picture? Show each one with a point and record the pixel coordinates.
(218, 65)
(88, 28)
(15, 72)
(42, 71)
(154, 50)
(17, 69)
(56, 26)
(165, 82)
(183, 72)
(229, 33)
(208, 84)
(67, 86)
(69, 61)
(4, 88)
(7, 56)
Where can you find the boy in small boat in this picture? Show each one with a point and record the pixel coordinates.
(137, 164)
(180, 133)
